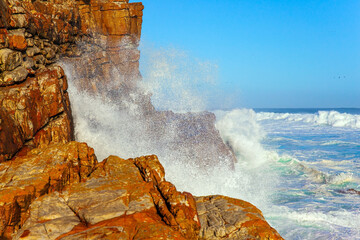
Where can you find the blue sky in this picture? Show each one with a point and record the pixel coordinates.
(282, 53)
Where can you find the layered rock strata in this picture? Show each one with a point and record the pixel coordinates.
(53, 188)
(62, 192)
(73, 196)
(33, 36)
(41, 171)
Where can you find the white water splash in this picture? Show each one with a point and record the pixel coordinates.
(331, 118)
(240, 130)
(176, 81)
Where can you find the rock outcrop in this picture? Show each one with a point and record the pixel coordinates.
(39, 172)
(228, 218)
(62, 192)
(54, 188)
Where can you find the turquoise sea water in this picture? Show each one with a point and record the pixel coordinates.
(318, 162)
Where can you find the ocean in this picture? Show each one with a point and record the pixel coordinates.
(296, 165)
(307, 160)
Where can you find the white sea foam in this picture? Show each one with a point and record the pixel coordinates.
(339, 224)
(331, 118)
(337, 142)
(240, 130)
(110, 131)
(101, 124)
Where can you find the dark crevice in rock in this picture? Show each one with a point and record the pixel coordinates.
(81, 218)
(27, 142)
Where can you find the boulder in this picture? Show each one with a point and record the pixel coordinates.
(9, 59)
(19, 74)
(228, 218)
(17, 39)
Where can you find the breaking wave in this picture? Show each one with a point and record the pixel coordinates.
(240, 130)
(305, 202)
(331, 118)
(260, 174)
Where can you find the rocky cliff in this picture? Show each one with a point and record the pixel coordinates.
(54, 188)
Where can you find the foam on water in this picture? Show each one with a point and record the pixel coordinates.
(337, 142)
(310, 224)
(331, 118)
(306, 203)
(284, 175)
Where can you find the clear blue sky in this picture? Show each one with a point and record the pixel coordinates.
(284, 53)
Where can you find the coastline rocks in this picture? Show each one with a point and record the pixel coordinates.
(349, 191)
(31, 106)
(62, 192)
(9, 59)
(116, 198)
(41, 171)
(228, 218)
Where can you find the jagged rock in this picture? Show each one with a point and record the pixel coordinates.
(4, 41)
(19, 20)
(30, 42)
(115, 199)
(32, 105)
(58, 130)
(49, 53)
(32, 51)
(228, 218)
(41, 171)
(40, 61)
(11, 139)
(29, 64)
(17, 75)
(119, 200)
(17, 39)
(9, 59)
(177, 209)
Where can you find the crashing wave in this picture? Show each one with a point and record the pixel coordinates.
(331, 118)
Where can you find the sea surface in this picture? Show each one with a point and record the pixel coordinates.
(295, 165)
(305, 160)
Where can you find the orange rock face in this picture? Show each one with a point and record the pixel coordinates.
(35, 108)
(17, 39)
(115, 198)
(66, 194)
(40, 172)
(30, 107)
(177, 209)
(108, 25)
